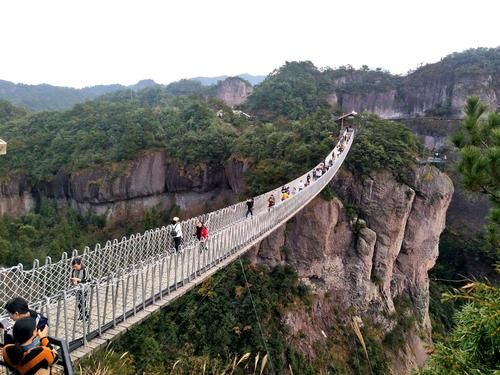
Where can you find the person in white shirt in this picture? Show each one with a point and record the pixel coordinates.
(176, 232)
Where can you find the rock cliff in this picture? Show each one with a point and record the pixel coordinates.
(15, 196)
(233, 91)
(420, 94)
(120, 191)
(359, 264)
(438, 89)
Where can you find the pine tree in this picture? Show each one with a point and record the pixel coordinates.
(479, 164)
(473, 347)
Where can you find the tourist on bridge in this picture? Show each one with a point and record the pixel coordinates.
(271, 202)
(308, 179)
(17, 308)
(284, 194)
(201, 235)
(176, 232)
(319, 173)
(301, 185)
(80, 276)
(31, 352)
(250, 204)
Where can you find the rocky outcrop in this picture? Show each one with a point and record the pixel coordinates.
(199, 177)
(128, 189)
(15, 196)
(233, 91)
(417, 96)
(235, 168)
(434, 133)
(420, 247)
(432, 90)
(383, 103)
(361, 264)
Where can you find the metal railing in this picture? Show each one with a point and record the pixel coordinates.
(130, 274)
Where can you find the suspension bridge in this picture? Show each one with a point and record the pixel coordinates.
(136, 276)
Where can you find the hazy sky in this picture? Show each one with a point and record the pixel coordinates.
(82, 43)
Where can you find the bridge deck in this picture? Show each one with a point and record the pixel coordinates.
(138, 276)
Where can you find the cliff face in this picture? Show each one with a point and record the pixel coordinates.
(121, 191)
(384, 103)
(422, 92)
(15, 196)
(415, 97)
(362, 266)
(439, 89)
(233, 91)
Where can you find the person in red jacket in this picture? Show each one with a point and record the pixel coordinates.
(202, 235)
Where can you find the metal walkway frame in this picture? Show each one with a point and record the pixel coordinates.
(139, 275)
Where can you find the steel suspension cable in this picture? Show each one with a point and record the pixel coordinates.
(257, 316)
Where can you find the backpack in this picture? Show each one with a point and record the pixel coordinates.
(173, 232)
(204, 233)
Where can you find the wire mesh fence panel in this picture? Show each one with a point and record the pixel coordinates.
(131, 273)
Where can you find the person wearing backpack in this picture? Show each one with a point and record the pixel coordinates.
(80, 275)
(250, 203)
(31, 352)
(176, 233)
(201, 235)
(271, 202)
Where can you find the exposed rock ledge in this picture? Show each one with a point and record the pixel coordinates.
(119, 191)
(365, 265)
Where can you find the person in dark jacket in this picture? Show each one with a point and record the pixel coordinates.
(201, 235)
(271, 201)
(79, 275)
(18, 308)
(30, 354)
(250, 204)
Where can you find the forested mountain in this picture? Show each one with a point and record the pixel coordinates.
(47, 97)
(438, 89)
(94, 172)
(108, 154)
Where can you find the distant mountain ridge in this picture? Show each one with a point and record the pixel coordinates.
(47, 97)
(437, 89)
(209, 81)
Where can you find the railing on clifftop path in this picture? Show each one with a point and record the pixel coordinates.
(133, 276)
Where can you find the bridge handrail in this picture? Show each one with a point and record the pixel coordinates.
(121, 294)
(49, 279)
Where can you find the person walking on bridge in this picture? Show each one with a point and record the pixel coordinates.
(201, 235)
(271, 201)
(79, 276)
(250, 203)
(176, 233)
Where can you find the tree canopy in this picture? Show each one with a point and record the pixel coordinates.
(105, 131)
